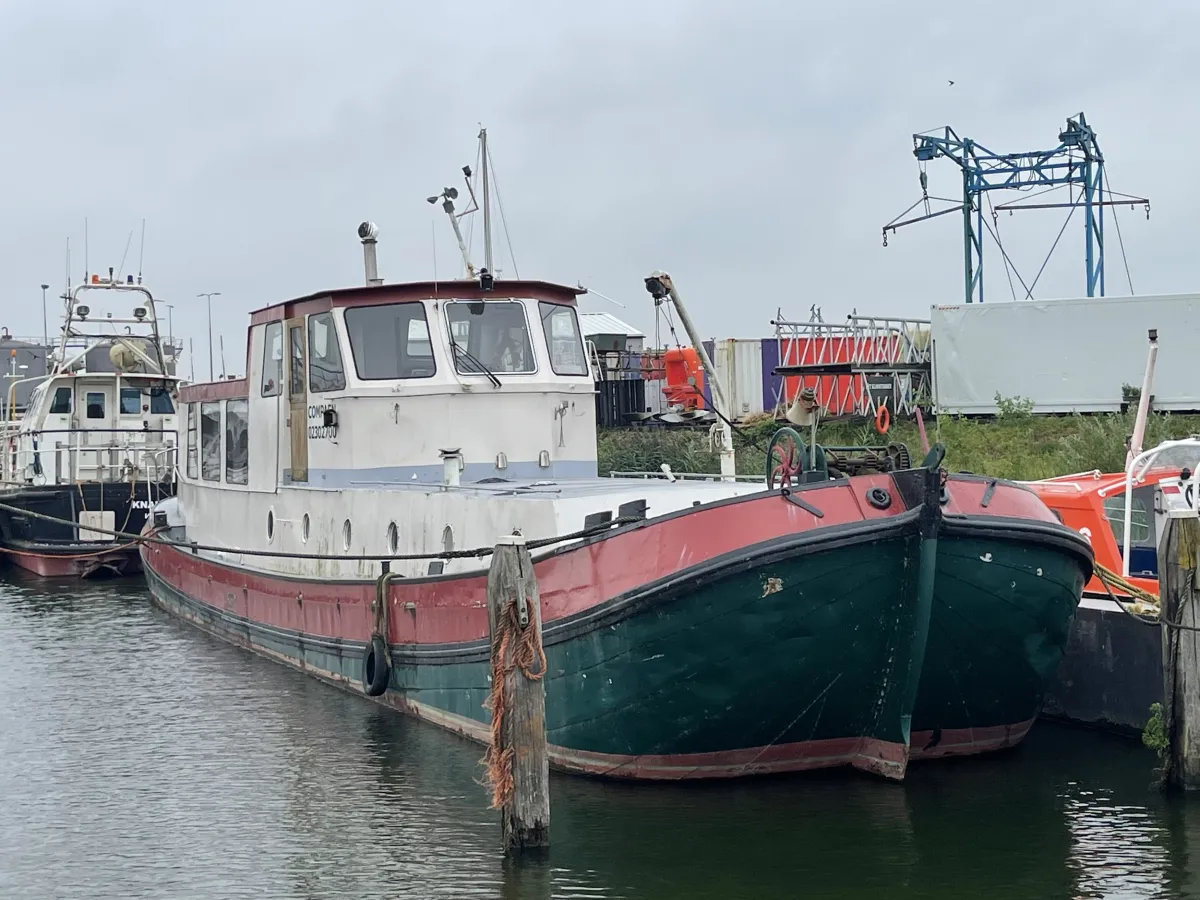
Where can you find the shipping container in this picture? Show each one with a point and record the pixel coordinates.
(739, 365)
(1064, 356)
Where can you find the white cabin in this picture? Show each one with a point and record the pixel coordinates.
(407, 418)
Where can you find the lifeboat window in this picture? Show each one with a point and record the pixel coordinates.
(393, 537)
(272, 373)
(95, 405)
(161, 403)
(270, 525)
(1139, 518)
(210, 441)
(131, 402)
(192, 467)
(491, 335)
(447, 539)
(61, 405)
(325, 371)
(237, 442)
(562, 339)
(390, 341)
(347, 535)
(304, 528)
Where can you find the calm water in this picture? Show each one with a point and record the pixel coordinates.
(141, 758)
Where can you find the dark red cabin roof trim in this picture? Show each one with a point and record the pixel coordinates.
(231, 389)
(416, 290)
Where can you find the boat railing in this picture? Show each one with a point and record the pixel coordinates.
(70, 455)
(1136, 471)
(685, 476)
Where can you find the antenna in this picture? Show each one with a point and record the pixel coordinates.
(487, 203)
(141, 251)
(221, 341)
(598, 294)
(192, 358)
(86, 270)
(128, 241)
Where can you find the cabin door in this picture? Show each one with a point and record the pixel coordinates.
(297, 399)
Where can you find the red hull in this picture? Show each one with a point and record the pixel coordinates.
(125, 561)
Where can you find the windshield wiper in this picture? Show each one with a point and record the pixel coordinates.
(454, 345)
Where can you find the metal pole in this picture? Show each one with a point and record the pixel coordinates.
(487, 204)
(210, 346)
(45, 326)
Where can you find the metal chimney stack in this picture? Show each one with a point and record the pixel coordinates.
(367, 232)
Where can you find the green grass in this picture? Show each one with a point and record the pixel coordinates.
(1014, 445)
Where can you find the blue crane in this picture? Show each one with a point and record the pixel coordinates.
(1076, 160)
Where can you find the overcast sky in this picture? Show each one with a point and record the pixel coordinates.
(752, 149)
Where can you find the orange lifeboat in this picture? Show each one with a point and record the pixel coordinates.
(685, 378)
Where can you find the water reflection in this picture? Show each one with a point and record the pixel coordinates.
(141, 758)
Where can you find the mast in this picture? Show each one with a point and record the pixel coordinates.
(487, 204)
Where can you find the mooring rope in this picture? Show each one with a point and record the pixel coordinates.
(528, 651)
(478, 552)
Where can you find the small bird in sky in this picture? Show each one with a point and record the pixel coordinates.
(951, 82)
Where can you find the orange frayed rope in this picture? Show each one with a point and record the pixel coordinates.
(527, 652)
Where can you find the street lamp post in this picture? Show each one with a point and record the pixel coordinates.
(210, 349)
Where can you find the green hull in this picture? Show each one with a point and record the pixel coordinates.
(1002, 610)
(795, 663)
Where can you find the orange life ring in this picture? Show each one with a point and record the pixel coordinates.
(883, 420)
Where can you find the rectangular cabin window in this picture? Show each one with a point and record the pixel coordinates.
(272, 373)
(95, 404)
(390, 341)
(131, 402)
(562, 339)
(210, 441)
(490, 336)
(61, 404)
(325, 372)
(296, 369)
(1139, 519)
(161, 403)
(237, 442)
(193, 470)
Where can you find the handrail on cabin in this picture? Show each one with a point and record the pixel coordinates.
(1142, 462)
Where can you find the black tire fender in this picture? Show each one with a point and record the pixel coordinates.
(376, 673)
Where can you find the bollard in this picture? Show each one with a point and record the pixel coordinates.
(518, 770)
(1178, 563)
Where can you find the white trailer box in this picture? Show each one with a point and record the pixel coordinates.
(1065, 355)
(739, 366)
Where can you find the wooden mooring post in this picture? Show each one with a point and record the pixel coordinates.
(518, 769)
(1178, 554)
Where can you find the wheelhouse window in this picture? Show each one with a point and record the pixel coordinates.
(193, 470)
(210, 441)
(563, 341)
(237, 442)
(95, 404)
(272, 373)
(325, 372)
(131, 401)
(490, 336)
(61, 404)
(161, 403)
(296, 365)
(390, 341)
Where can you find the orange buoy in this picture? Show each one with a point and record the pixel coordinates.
(883, 420)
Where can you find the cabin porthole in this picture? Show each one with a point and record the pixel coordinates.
(447, 539)
(393, 537)
(270, 525)
(347, 535)
(304, 529)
